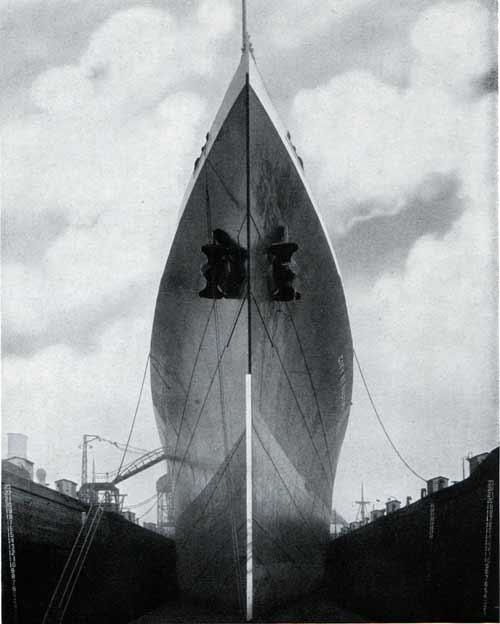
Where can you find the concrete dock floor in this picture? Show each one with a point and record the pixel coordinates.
(318, 607)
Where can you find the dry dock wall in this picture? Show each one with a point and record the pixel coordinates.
(129, 570)
(435, 560)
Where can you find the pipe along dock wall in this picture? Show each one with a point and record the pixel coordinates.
(434, 560)
(129, 570)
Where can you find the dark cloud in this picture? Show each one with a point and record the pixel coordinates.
(81, 328)
(489, 82)
(381, 243)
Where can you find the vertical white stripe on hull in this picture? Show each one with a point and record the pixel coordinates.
(248, 436)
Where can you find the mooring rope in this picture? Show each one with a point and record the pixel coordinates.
(379, 418)
(135, 414)
(156, 496)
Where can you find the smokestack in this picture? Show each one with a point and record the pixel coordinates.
(17, 445)
(17, 448)
(41, 476)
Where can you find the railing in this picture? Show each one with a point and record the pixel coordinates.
(140, 464)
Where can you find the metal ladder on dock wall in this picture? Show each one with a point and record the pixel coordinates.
(63, 591)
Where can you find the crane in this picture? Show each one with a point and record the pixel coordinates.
(88, 438)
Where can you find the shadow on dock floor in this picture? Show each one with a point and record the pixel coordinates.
(318, 607)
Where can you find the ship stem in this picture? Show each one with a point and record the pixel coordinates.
(249, 493)
(248, 379)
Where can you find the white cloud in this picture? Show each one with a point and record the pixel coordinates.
(62, 89)
(58, 395)
(134, 58)
(291, 23)
(115, 173)
(367, 140)
(118, 186)
(455, 44)
(216, 17)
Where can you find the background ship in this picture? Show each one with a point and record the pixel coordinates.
(251, 363)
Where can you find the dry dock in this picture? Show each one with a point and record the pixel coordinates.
(318, 607)
(433, 561)
(128, 569)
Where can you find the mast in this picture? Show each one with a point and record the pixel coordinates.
(362, 504)
(246, 44)
(244, 25)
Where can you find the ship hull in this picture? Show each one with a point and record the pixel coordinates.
(252, 485)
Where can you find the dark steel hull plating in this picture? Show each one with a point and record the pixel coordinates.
(301, 354)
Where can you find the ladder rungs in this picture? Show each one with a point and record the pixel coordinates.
(74, 564)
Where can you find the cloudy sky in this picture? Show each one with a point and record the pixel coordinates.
(104, 107)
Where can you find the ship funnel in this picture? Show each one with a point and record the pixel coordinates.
(17, 445)
(41, 476)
